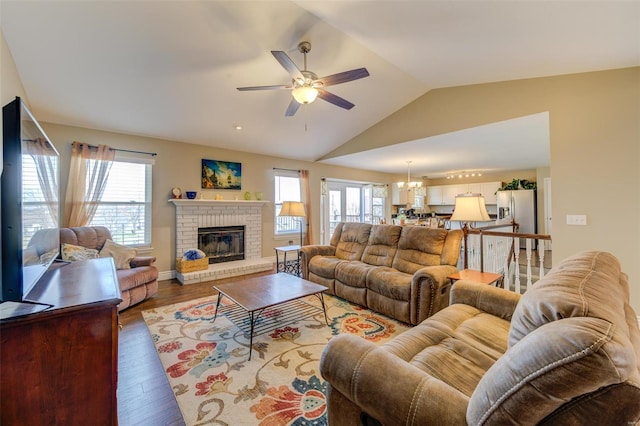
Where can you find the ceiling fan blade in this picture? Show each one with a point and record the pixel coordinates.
(287, 64)
(334, 99)
(244, 89)
(343, 77)
(292, 108)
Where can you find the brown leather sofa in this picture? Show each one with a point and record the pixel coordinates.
(138, 283)
(565, 353)
(400, 271)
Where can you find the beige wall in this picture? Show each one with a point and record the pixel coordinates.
(10, 83)
(595, 149)
(178, 164)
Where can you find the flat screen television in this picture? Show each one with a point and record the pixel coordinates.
(30, 202)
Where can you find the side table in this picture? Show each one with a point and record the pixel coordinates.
(477, 276)
(290, 266)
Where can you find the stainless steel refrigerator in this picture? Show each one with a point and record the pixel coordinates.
(519, 205)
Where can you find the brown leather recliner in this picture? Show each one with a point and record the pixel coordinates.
(138, 283)
(565, 353)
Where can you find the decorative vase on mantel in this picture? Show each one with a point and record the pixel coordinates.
(247, 195)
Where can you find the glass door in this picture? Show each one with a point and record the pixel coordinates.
(350, 202)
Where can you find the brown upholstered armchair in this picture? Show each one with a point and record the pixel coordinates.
(137, 283)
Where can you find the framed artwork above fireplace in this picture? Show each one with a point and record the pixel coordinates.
(221, 174)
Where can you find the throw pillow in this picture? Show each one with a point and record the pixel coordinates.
(73, 253)
(121, 255)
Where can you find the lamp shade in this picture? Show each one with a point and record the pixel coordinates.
(305, 94)
(292, 208)
(470, 208)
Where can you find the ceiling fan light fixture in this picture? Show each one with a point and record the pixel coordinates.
(305, 94)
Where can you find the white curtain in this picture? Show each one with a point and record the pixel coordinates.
(87, 181)
(306, 198)
(46, 159)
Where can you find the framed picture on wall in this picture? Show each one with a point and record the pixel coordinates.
(221, 174)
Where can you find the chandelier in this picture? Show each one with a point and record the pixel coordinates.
(409, 185)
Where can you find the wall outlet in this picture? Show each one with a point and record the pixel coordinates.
(577, 219)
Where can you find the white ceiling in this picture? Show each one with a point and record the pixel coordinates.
(170, 69)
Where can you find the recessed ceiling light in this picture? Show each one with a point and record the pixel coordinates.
(237, 127)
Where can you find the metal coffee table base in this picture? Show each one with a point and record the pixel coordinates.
(257, 294)
(254, 315)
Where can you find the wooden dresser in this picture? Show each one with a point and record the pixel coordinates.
(59, 366)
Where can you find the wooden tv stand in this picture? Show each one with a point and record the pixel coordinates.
(59, 366)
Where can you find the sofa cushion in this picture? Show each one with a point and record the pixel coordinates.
(353, 274)
(418, 247)
(587, 284)
(131, 278)
(122, 255)
(324, 266)
(87, 236)
(390, 283)
(353, 240)
(73, 253)
(382, 245)
(456, 345)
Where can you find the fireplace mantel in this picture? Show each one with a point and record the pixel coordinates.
(230, 203)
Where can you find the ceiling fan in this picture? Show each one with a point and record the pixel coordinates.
(306, 85)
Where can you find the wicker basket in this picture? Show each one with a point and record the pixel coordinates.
(184, 266)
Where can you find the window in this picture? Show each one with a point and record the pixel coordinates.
(125, 207)
(287, 188)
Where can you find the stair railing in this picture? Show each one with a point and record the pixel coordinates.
(498, 249)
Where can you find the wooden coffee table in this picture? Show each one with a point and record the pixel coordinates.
(256, 294)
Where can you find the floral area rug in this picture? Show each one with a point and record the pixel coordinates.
(214, 382)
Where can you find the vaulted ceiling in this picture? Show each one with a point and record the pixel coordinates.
(170, 69)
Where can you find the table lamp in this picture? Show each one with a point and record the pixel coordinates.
(470, 208)
(293, 209)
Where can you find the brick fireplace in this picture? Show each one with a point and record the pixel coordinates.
(194, 214)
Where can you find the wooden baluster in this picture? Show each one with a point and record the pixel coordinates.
(541, 248)
(528, 248)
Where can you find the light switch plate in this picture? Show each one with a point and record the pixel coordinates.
(577, 219)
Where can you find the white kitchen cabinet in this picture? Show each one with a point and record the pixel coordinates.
(474, 188)
(446, 194)
(489, 192)
(449, 193)
(434, 195)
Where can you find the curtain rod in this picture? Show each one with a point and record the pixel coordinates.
(287, 170)
(153, 154)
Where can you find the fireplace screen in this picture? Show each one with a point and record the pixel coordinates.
(222, 243)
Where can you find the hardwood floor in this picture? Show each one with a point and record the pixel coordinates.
(144, 395)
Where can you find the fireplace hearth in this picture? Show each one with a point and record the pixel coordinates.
(222, 243)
